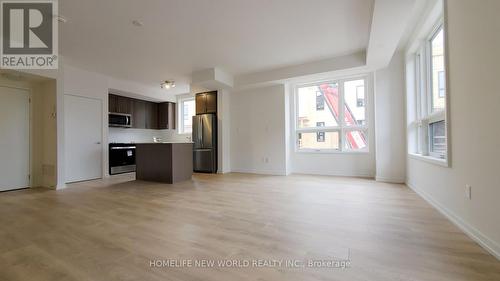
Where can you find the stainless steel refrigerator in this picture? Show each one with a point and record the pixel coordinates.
(205, 143)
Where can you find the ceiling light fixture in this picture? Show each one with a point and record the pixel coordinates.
(137, 23)
(167, 84)
(61, 19)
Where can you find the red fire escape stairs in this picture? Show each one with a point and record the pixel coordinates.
(355, 139)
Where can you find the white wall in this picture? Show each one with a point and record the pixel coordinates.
(289, 140)
(258, 131)
(356, 164)
(44, 129)
(474, 67)
(224, 131)
(389, 122)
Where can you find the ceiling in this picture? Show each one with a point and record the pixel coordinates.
(179, 37)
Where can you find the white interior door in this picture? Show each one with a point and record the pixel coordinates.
(14, 138)
(83, 135)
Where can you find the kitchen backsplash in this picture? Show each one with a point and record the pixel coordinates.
(123, 135)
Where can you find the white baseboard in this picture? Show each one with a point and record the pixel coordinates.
(390, 180)
(224, 172)
(259, 172)
(366, 175)
(484, 241)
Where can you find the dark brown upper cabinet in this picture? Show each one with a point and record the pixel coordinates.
(201, 106)
(139, 114)
(163, 115)
(151, 115)
(172, 115)
(166, 115)
(112, 103)
(119, 104)
(206, 102)
(145, 114)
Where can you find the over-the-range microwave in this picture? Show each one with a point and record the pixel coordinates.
(120, 120)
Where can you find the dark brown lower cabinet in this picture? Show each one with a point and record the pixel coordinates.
(164, 162)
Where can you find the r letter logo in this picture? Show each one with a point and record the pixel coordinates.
(29, 35)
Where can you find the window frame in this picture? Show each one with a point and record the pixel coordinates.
(180, 103)
(340, 128)
(430, 81)
(320, 134)
(425, 115)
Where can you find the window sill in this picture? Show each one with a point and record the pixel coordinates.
(330, 152)
(430, 159)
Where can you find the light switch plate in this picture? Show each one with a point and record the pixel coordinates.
(468, 191)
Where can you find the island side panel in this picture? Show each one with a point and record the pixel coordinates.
(182, 161)
(154, 162)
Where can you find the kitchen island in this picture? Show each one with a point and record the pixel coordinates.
(164, 162)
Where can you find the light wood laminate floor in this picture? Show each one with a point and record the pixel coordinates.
(111, 229)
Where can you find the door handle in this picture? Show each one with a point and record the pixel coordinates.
(122, 147)
(98, 142)
(200, 133)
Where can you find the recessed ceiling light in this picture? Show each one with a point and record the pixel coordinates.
(167, 84)
(137, 23)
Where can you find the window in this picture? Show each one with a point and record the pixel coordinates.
(308, 113)
(437, 70)
(187, 111)
(441, 87)
(340, 124)
(437, 136)
(429, 127)
(354, 114)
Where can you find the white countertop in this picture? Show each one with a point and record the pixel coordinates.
(163, 142)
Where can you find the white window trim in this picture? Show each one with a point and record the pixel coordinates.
(341, 129)
(180, 114)
(429, 159)
(425, 106)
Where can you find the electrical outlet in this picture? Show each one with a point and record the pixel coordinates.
(266, 160)
(468, 191)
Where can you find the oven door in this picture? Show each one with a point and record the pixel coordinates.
(121, 159)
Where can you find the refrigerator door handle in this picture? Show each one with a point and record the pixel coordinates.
(200, 132)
